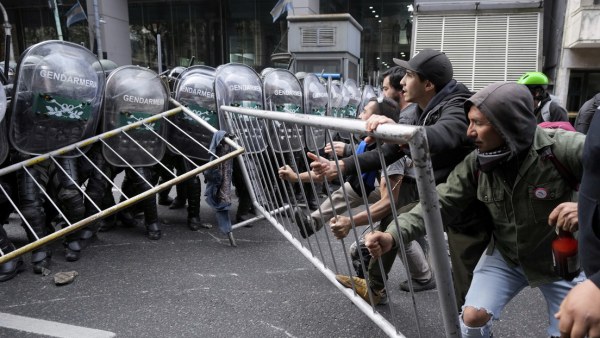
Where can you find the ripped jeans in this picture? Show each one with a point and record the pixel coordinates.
(495, 284)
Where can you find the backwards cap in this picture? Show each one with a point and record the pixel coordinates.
(433, 65)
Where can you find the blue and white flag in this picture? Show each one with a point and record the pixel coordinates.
(281, 7)
(75, 14)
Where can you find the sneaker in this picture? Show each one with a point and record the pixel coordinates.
(379, 296)
(418, 286)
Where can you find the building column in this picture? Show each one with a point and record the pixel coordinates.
(305, 7)
(114, 29)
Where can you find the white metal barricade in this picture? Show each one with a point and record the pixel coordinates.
(276, 201)
(128, 200)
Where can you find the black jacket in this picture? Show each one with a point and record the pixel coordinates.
(446, 129)
(586, 113)
(589, 199)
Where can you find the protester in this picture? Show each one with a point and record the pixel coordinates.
(308, 224)
(546, 107)
(586, 113)
(579, 313)
(520, 187)
(439, 108)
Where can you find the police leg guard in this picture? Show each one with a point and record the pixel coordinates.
(148, 205)
(73, 205)
(32, 208)
(194, 194)
(11, 268)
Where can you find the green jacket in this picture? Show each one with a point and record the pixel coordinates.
(520, 213)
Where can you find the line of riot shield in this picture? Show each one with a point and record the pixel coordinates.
(58, 95)
(283, 93)
(315, 103)
(132, 94)
(195, 90)
(351, 95)
(238, 85)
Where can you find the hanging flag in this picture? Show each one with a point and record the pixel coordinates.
(281, 7)
(75, 14)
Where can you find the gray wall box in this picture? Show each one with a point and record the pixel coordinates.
(327, 43)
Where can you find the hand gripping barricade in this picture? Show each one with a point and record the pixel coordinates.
(56, 103)
(315, 103)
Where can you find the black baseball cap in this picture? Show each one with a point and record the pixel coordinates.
(433, 65)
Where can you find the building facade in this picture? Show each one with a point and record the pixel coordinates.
(211, 32)
(494, 40)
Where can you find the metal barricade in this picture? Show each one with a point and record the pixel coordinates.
(128, 200)
(276, 201)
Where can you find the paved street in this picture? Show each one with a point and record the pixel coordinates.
(193, 284)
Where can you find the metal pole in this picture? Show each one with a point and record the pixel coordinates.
(97, 31)
(429, 200)
(159, 46)
(57, 21)
(7, 34)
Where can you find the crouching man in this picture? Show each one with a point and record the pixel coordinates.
(512, 174)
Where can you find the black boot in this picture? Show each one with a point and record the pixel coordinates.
(182, 192)
(11, 268)
(194, 192)
(72, 251)
(164, 198)
(40, 260)
(87, 235)
(153, 231)
(177, 203)
(127, 219)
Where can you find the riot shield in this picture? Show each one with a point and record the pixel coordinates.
(173, 77)
(351, 91)
(57, 99)
(283, 93)
(132, 94)
(3, 139)
(351, 95)
(195, 90)
(315, 103)
(238, 85)
(336, 99)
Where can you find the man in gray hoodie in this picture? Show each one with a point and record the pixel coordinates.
(511, 174)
